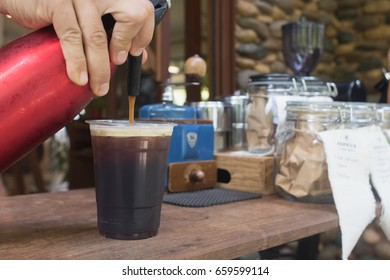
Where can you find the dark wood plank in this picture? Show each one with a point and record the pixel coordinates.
(193, 40)
(222, 77)
(63, 226)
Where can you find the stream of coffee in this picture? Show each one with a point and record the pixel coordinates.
(131, 108)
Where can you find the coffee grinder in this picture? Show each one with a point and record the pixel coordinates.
(191, 164)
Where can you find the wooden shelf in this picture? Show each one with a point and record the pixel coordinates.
(63, 226)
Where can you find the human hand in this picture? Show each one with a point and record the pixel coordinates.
(82, 36)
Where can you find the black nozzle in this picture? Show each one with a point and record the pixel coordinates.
(135, 62)
(134, 74)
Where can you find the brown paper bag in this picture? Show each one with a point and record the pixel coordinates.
(302, 172)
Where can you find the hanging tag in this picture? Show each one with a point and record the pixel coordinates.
(379, 164)
(348, 171)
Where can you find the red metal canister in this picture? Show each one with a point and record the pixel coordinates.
(36, 96)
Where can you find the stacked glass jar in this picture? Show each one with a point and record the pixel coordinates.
(301, 172)
(259, 123)
(268, 95)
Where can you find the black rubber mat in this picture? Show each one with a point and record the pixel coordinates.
(208, 197)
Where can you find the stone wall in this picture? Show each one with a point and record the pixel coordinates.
(356, 41)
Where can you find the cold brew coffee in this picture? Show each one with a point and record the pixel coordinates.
(130, 164)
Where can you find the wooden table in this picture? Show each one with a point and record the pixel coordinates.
(63, 226)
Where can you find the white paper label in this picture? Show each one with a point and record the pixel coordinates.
(348, 171)
(379, 164)
(387, 132)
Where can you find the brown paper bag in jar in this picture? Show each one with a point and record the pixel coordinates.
(259, 125)
(302, 170)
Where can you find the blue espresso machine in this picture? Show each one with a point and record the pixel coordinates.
(191, 164)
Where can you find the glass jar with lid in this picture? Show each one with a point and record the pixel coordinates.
(268, 95)
(301, 172)
(259, 118)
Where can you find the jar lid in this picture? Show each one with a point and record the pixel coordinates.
(383, 112)
(313, 86)
(359, 112)
(313, 106)
(314, 110)
(274, 82)
(270, 77)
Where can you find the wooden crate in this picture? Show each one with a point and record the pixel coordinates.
(248, 172)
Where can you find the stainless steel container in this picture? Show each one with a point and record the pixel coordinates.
(237, 136)
(221, 116)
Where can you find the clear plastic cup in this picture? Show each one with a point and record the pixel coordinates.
(130, 165)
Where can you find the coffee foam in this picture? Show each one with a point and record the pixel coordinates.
(122, 128)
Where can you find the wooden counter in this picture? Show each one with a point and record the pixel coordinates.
(63, 226)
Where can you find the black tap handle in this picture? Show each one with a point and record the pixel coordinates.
(135, 62)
